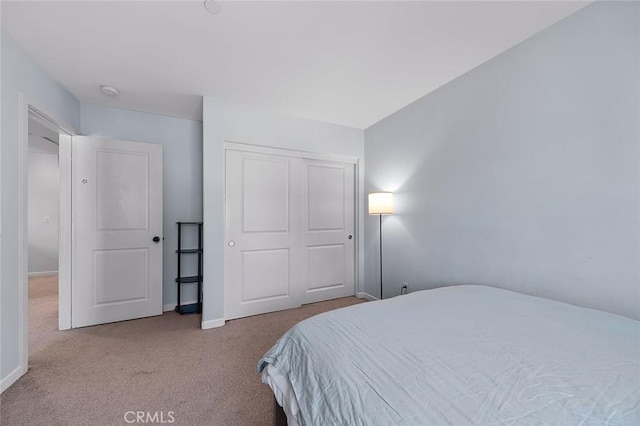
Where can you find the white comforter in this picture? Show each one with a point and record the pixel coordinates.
(466, 355)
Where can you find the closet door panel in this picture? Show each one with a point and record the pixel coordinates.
(328, 230)
(262, 252)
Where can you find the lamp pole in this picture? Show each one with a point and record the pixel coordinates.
(380, 203)
(381, 297)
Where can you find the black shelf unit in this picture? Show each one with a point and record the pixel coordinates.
(190, 308)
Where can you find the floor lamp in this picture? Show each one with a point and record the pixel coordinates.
(381, 203)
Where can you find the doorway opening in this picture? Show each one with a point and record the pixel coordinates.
(43, 233)
(43, 227)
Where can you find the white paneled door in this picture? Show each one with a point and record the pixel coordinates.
(289, 232)
(328, 230)
(117, 230)
(262, 256)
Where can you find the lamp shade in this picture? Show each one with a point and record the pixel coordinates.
(381, 203)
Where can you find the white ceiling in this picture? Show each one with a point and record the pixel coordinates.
(351, 63)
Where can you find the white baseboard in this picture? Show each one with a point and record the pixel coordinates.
(172, 306)
(366, 296)
(10, 379)
(42, 274)
(212, 324)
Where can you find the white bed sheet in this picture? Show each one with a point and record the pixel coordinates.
(459, 355)
(283, 392)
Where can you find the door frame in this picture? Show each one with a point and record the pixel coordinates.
(30, 109)
(285, 152)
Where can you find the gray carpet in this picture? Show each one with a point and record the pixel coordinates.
(94, 375)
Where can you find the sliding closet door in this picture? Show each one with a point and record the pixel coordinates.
(328, 230)
(262, 252)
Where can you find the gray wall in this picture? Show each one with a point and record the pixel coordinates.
(181, 142)
(20, 74)
(43, 205)
(522, 173)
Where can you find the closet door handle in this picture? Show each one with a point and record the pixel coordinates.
(231, 243)
(350, 236)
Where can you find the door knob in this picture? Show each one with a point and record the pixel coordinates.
(350, 236)
(231, 243)
(156, 239)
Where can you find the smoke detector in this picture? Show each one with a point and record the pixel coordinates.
(109, 91)
(212, 6)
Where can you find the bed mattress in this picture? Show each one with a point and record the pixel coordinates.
(458, 355)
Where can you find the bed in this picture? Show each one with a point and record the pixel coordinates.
(462, 355)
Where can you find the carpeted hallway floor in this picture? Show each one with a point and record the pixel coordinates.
(94, 375)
